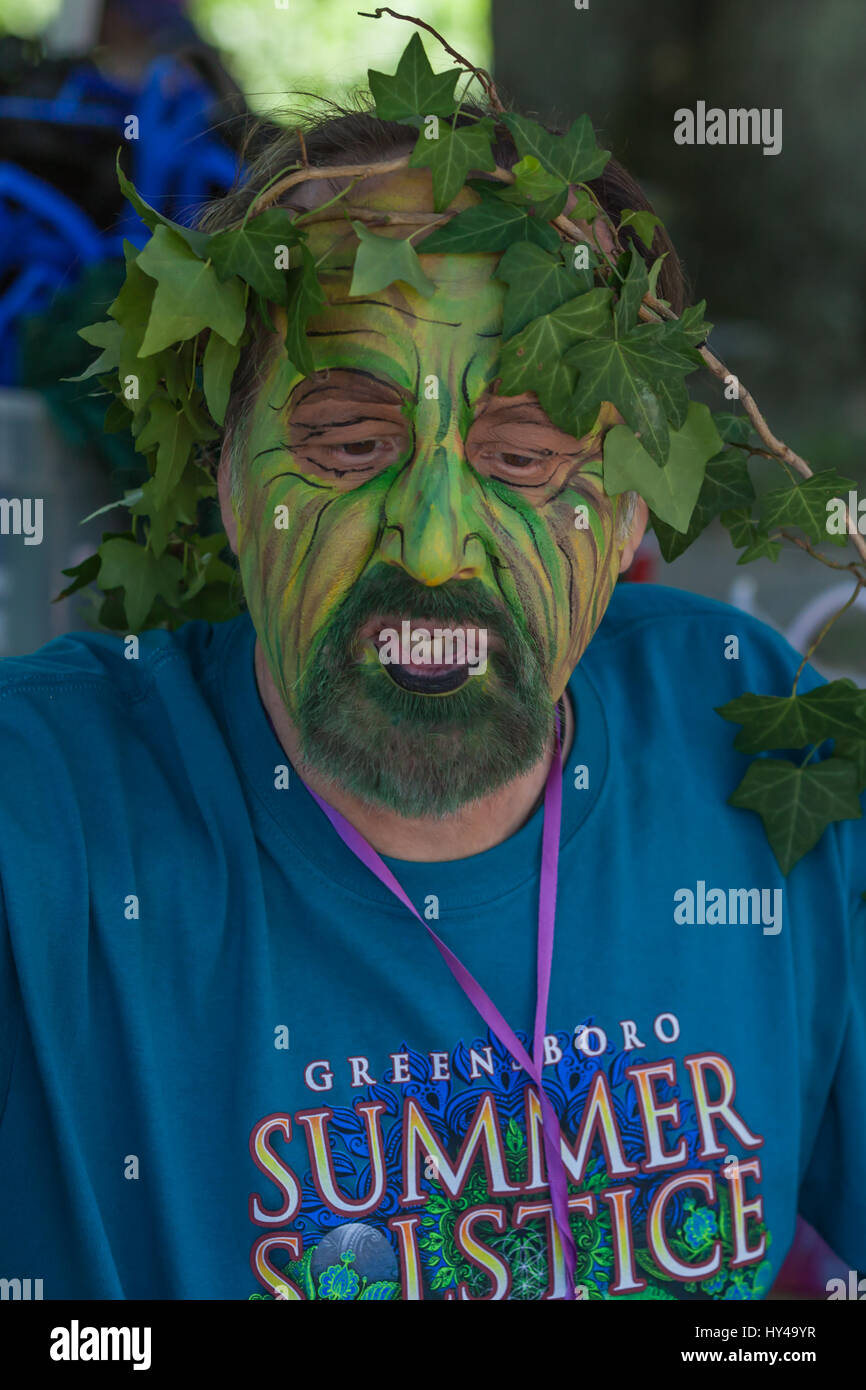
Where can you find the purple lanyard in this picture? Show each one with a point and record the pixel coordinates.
(484, 1004)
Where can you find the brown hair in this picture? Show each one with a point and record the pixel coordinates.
(337, 134)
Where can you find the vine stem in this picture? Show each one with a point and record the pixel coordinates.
(824, 630)
(481, 73)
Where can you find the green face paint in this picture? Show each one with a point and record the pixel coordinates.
(394, 484)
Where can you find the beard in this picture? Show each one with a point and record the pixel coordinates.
(423, 755)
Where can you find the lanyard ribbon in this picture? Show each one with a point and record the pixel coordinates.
(484, 1004)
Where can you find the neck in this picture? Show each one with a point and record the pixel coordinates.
(470, 830)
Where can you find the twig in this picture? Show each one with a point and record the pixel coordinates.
(481, 73)
(851, 567)
(824, 630)
(303, 144)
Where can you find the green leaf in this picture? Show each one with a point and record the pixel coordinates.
(536, 185)
(131, 309)
(452, 155)
(853, 750)
(414, 90)
(218, 368)
(692, 323)
(625, 369)
(380, 260)
(574, 157)
(644, 224)
(163, 516)
(797, 804)
(734, 429)
(189, 296)
(84, 574)
(129, 498)
(836, 710)
(197, 241)
(654, 271)
(169, 432)
(533, 360)
(671, 492)
(738, 522)
(760, 548)
(304, 297)
(491, 225)
(142, 576)
(537, 283)
(804, 504)
(727, 485)
(106, 335)
(251, 252)
(631, 294)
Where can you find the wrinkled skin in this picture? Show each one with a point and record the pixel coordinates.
(409, 489)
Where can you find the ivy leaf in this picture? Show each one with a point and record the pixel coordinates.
(734, 429)
(414, 90)
(251, 252)
(451, 156)
(727, 485)
(535, 184)
(738, 522)
(537, 283)
(623, 369)
(106, 335)
(574, 157)
(797, 804)
(491, 225)
(142, 576)
(380, 260)
(168, 431)
(218, 368)
(853, 750)
(760, 548)
(631, 294)
(692, 323)
(673, 396)
(835, 710)
(197, 241)
(304, 297)
(671, 492)
(644, 224)
(533, 360)
(189, 296)
(804, 504)
(654, 270)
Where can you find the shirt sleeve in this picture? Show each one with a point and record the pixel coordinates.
(833, 1190)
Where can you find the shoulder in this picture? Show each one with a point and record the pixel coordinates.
(687, 641)
(88, 689)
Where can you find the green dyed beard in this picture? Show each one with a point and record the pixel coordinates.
(422, 755)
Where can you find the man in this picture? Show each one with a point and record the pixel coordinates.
(237, 1066)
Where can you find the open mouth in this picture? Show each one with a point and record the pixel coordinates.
(428, 680)
(421, 656)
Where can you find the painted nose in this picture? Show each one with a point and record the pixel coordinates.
(429, 521)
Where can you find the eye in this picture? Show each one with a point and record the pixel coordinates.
(518, 460)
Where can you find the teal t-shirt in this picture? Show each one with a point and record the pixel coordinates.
(234, 1066)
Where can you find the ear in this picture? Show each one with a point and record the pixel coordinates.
(224, 487)
(635, 535)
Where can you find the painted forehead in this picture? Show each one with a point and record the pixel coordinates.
(396, 331)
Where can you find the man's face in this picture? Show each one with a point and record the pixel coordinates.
(394, 486)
